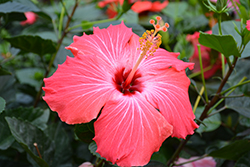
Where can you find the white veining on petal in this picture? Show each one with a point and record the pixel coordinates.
(130, 128)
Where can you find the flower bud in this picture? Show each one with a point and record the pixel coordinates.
(221, 4)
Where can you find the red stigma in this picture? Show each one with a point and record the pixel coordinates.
(158, 24)
(158, 18)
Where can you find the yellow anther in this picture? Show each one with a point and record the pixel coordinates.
(149, 43)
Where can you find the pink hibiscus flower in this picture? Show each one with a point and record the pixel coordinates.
(248, 25)
(143, 101)
(31, 18)
(204, 162)
(205, 54)
(138, 6)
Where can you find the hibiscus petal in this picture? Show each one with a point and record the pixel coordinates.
(162, 60)
(129, 130)
(141, 6)
(134, 51)
(158, 6)
(168, 91)
(79, 89)
(110, 44)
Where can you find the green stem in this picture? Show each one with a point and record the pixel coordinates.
(218, 111)
(204, 113)
(216, 97)
(202, 73)
(61, 22)
(221, 100)
(222, 56)
(223, 64)
(243, 48)
(228, 62)
(64, 8)
(198, 92)
(235, 86)
(233, 96)
(199, 72)
(177, 152)
(38, 97)
(219, 24)
(198, 99)
(99, 162)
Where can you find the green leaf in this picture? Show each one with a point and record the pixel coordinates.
(13, 16)
(228, 28)
(222, 43)
(242, 69)
(26, 135)
(44, 15)
(6, 139)
(87, 12)
(126, 6)
(93, 148)
(209, 124)
(36, 116)
(27, 76)
(84, 132)
(232, 151)
(34, 44)
(2, 104)
(10, 7)
(4, 72)
(245, 3)
(243, 12)
(244, 161)
(57, 135)
(183, 47)
(7, 90)
(86, 25)
(32, 30)
(244, 121)
(246, 36)
(240, 105)
(61, 55)
(130, 17)
(12, 163)
(136, 28)
(159, 157)
(192, 23)
(176, 10)
(3, 1)
(245, 134)
(155, 164)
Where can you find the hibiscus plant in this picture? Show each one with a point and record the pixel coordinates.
(156, 83)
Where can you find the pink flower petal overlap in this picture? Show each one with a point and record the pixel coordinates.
(137, 117)
(78, 89)
(108, 44)
(168, 93)
(133, 128)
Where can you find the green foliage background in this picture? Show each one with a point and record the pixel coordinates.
(32, 52)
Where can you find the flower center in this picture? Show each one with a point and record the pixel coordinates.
(119, 82)
(149, 42)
